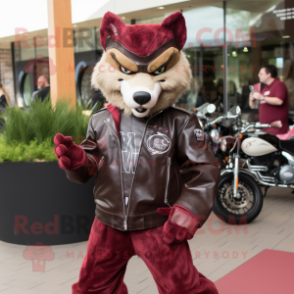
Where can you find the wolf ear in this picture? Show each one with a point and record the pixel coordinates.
(112, 26)
(176, 23)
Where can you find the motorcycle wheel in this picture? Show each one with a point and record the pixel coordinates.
(241, 210)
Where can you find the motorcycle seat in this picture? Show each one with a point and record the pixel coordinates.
(287, 136)
(287, 145)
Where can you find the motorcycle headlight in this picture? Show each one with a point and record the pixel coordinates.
(224, 145)
(214, 135)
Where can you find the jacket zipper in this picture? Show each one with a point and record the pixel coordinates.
(177, 180)
(129, 202)
(121, 181)
(168, 163)
(100, 164)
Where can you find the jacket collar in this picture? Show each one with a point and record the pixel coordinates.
(116, 114)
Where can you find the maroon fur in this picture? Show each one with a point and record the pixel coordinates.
(143, 39)
(109, 251)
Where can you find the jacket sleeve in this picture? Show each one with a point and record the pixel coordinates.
(198, 169)
(84, 173)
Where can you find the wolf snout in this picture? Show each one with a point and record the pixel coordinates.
(141, 97)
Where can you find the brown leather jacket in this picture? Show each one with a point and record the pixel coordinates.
(174, 167)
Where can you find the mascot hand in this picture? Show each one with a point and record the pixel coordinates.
(181, 224)
(70, 156)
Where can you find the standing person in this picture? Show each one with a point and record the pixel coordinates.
(289, 82)
(218, 101)
(195, 97)
(156, 181)
(44, 88)
(4, 98)
(273, 100)
(97, 96)
(4, 102)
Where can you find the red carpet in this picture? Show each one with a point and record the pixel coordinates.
(269, 272)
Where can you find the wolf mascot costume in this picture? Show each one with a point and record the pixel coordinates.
(155, 180)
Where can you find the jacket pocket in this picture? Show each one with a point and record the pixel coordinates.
(99, 167)
(100, 164)
(168, 166)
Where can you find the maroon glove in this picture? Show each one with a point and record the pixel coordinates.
(181, 224)
(70, 155)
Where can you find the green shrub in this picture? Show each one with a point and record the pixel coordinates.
(42, 122)
(28, 134)
(33, 151)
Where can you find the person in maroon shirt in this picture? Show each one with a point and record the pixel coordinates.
(273, 100)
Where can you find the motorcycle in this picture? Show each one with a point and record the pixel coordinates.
(256, 159)
(218, 131)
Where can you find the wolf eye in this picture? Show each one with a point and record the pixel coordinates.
(125, 70)
(159, 71)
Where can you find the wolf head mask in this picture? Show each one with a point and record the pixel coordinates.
(142, 69)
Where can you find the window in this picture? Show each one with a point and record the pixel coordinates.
(261, 33)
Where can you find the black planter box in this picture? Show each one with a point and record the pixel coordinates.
(39, 204)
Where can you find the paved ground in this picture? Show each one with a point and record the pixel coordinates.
(216, 249)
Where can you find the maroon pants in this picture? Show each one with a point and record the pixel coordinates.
(109, 251)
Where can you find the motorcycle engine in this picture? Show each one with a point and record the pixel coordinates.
(286, 174)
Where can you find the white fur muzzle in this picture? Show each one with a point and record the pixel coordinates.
(128, 96)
